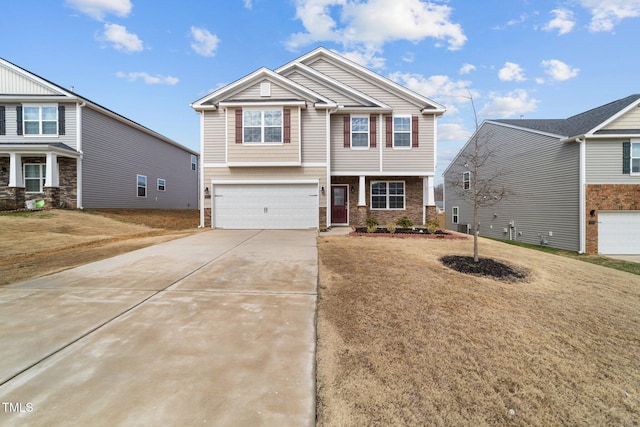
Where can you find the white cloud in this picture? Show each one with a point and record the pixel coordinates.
(558, 70)
(519, 20)
(98, 9)
(441, 89)
(121, 39)
(148, 79)
(467, 68)
(204, 43)
(563, 21)
(452, 132)
(606, 14)
(367, 57)
(511, 73)
(248, 4)
(368, 25)
(511, 104)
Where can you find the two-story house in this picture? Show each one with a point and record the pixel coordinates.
(319, 142)
(573, 183)
(70, 152)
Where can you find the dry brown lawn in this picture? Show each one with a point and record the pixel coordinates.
(34, 244)
(403, 340)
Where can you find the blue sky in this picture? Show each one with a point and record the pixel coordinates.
(148, 60)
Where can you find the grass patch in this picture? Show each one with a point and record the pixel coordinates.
(616, 264)
(30, 214)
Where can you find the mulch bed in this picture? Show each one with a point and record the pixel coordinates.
(403, 233)
(484, 267)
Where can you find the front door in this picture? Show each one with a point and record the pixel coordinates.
(339, 204)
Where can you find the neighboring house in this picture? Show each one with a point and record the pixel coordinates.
(575, 182)
(320, 141)
(62, 148)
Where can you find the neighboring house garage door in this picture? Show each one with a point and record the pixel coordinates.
(619, 232)
(273, 205)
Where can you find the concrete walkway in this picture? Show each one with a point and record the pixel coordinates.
(214, 329)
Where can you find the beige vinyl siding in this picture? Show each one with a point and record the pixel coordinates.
(263, 152)
(414, 159)
(357, 82)
(314, 140)
(322, 89)
(12, 83)
(351, 160)
(69, 138)
(214, 137)
(543, 176)
(269, 173)
(604, 163)
(253, 93)
(630, 120)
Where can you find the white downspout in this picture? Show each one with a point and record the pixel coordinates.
(583, 195)
(79, 107)
(201, 171)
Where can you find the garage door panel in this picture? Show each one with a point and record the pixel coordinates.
(619, 232)
(265, 206)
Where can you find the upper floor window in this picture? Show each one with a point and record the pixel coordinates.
(194, 162)
(40, 120)
(466, 180)
(635, 157)
(402, 132)
(262, 126)
(359, 132)
(34, 175)
(387, 195)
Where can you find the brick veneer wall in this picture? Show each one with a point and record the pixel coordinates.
(607, 197)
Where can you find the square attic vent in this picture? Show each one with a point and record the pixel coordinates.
(265, 89)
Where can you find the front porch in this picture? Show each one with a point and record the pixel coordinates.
(38, 172)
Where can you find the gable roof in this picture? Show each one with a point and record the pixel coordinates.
(58, 93)
(584, 123)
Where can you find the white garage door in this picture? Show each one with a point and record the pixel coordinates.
(619, 232)
(265, 206)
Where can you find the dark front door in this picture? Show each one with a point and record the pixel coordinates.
(339, 202)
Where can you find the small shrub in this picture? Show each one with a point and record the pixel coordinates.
(371, 221)
(433, 225)
(391, 227)
(372, 228)
(404, 222)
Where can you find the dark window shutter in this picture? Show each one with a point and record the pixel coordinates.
(19, 120)
(287, 125)
(626, 157)
(3, 124)
(347, 131)
(373, 131)
(61, 122)
(239, 126)
(389, 131)
(414, 131)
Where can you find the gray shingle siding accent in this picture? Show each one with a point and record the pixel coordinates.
(115, 153)
(604, 163)
(543, 175)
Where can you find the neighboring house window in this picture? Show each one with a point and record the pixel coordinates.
(194, 162)
(262, 126)
(402, 132)
(34, 177)
(40, 120)
(142, 186)
(454, 214)
(466, 180)
(359, 132)
(162, 184)
(387, 195)
(635, 157)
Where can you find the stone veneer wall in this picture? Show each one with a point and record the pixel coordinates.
(607, 197)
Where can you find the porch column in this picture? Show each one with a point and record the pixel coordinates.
(428, 193)
(51, 178)
(362, 192)
(15, 170)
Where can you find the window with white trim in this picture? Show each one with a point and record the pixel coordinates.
(466, 180)
(142, 185)
(359, 131)
(401, 131)
(34, 177)
(454, 214)
(194, 162)
(40, 120)
(635, 157)
(387, 195)
(162, 184)
(262, 126)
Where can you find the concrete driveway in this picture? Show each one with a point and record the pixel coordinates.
(214, 329)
